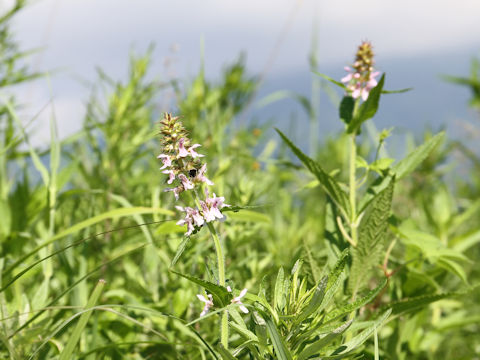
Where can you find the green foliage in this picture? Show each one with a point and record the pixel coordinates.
(371, 245)
(375, 276)
(329, 184)
(367, 109)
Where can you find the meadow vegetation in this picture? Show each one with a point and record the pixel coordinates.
(344, 252)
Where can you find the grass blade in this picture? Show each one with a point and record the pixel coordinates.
(82, 322)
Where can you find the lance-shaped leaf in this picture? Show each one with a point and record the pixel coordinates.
(358, 340)
(368, 108)
(317, 346)
(220, 294)
(415, 303)
(278, 342)
(226, 355)
(315, 301)
(415, 158)
(346, 109)
(373, 228)
(329, 183)
(328, 78)
(341, 311)
(334, 278)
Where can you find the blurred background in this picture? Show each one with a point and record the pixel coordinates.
(282, 41)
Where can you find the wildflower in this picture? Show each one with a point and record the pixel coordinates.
(182, 152)
(208, 303)
(187, 184)
(194, 214)
(192, 151)
(200, 177)
(211, 208)
(361, 77)
(166, 161)
(176, 191)
(181, 161)
(171, 174)
(236, 300)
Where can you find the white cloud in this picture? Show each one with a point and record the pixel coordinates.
(80, 34)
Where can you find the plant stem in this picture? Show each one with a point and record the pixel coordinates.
(353, 190)
(221, 275)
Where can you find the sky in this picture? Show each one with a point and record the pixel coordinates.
(76, 36)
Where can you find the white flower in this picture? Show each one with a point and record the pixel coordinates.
(192, 151)
(208, 303)
(236, 300)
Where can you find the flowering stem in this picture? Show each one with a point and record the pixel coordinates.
(221, 274)
(353, 190)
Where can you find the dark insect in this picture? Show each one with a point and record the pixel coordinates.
(192, 173)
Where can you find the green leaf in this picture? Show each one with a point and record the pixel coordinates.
(116, 213)
(6, 216)
(358, 340)
(328, 78)
(221, 295)
(334, 278)
(329, 184)
(373, 228)
(249, 216)
(315, 301)
(464, 242)
(327, 339)
(396, 91)
(416, 157)
(368, 108)
(381, 165)
(226, 355)
(180, 250)
(346, 109)
(82, 322)
(279, 292)
(278, 342)
(341, 311)
(453, 267)
(414, 303)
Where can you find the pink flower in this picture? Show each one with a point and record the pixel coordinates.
(357, 86)
(201, 175)
(208, 303)
(208, 214)
(194, 214)
(192, 151)
(176, 191)
(211, 207)
(237, 299)
(182, 152)
(187, 184)
(347, 78)
(189, 222)
(192, 218)
(171, 176)
(166, 161)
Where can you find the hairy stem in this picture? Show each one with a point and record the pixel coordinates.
(353, 190)
(221, 274)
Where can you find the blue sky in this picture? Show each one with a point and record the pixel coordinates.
(78, 35)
